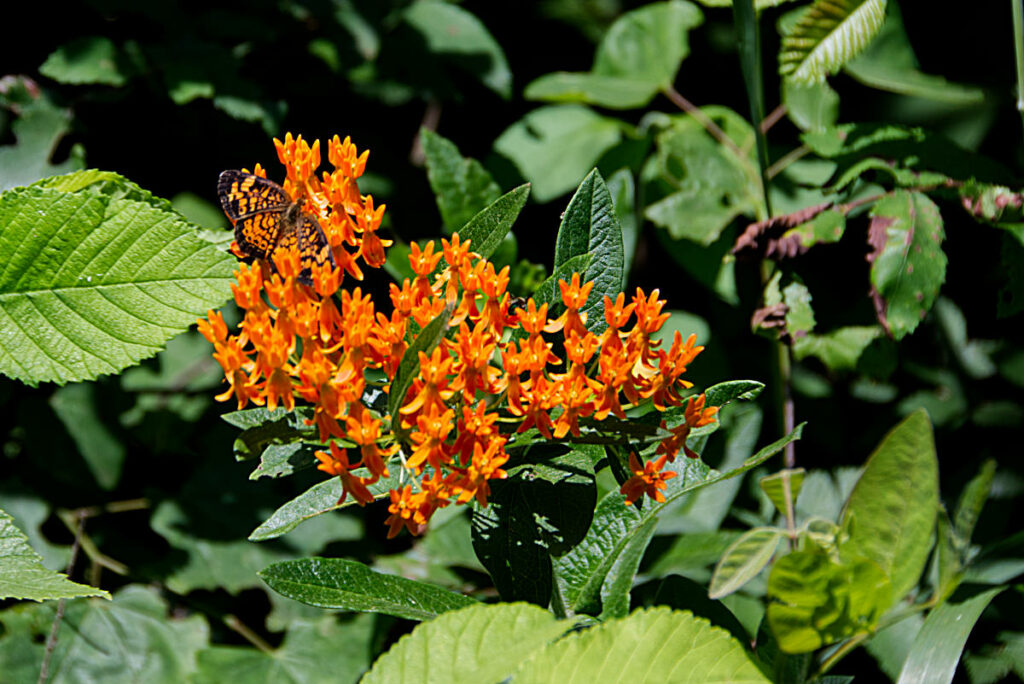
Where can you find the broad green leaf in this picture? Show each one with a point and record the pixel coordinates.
(38, 131)
(828, 35)
(839, 349)
(93, 284)
(908, 265)
(650, 645)
(711, 182)
(812, 107)
(589, 226)
(488, 228)
(280, 460)
(462, 187)
(468, 646)
(781, 486)
(22, 575)
(890, 516)
(747, 556)
(648, 43)
(681, 593)
(614, 92)
(320, 650)
(889, 63)
(817, 601)
(758, 4)
(555, 147)
(725, 392)
(409, 367)
(103, 452)
(940, 643)
(615, 591)
(129, 639)
(318, 499)
(542, 509)
(89, 59)
(347, 585)
(457, 35)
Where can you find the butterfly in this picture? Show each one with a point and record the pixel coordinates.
(267, 219)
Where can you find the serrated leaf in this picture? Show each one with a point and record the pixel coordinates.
(827, 35)
(650, 645)
(890, 516)
(320, 650)
(817, 601)
(682, 593)
(318, 499)
(555, 147)
(908, 265)
(458, 646)
(488, 228)
(462, 187)
(589, 226)
(940, 643)
(776, 486)
(93, 284)
(429, 336)
(458, 35)
(22, 575)
(347, 585)
(89, 59)
(744, 559)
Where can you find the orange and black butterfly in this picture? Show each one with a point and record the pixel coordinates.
(266, 218)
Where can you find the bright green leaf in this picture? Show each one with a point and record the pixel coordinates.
(777, 485)
(462, 187)
(459, 647)
(488, 228)
(890, 516)
(93, 284)
(829, 34)
(812, 107)
(22, 575)
(747, 556)
(648, 43)
(348, 585)
(650, 645)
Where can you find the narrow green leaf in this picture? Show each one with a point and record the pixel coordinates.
(589, 226)
(725, 392)
(908, 265)
(775, 487)
(555, 147)
(742, 561)
(320, 498)
(650, 645)
(615, 592)
(972, 500)
(103, 452)
(890, 516)
(828, 35)
(816, 601)
(89, 59)
(488, 228)
(348, 585)
(462, 187)
(940, 643)
(22, 575)
(93, 284)
(409, 367)
(460, 646)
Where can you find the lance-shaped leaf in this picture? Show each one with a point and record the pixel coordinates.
(462, 187)
(782, 486)
(98, 279)
(348, 585)
(908, 265)
(590, 226)
(459, 646)
(658, 645)
(22, 574)
(890, 516)
(743, 560)
(409, 367)
(488, 228)
(827, 35)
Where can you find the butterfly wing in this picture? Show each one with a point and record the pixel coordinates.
(314, 247)
(257, 207)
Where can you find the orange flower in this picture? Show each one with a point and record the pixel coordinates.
(647, 479)
(405, 511)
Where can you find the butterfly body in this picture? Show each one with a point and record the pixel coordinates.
(267, 219)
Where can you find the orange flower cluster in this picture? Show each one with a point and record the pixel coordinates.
(496, 368)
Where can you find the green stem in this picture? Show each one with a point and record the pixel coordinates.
(749, 41)
(1018, 52)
